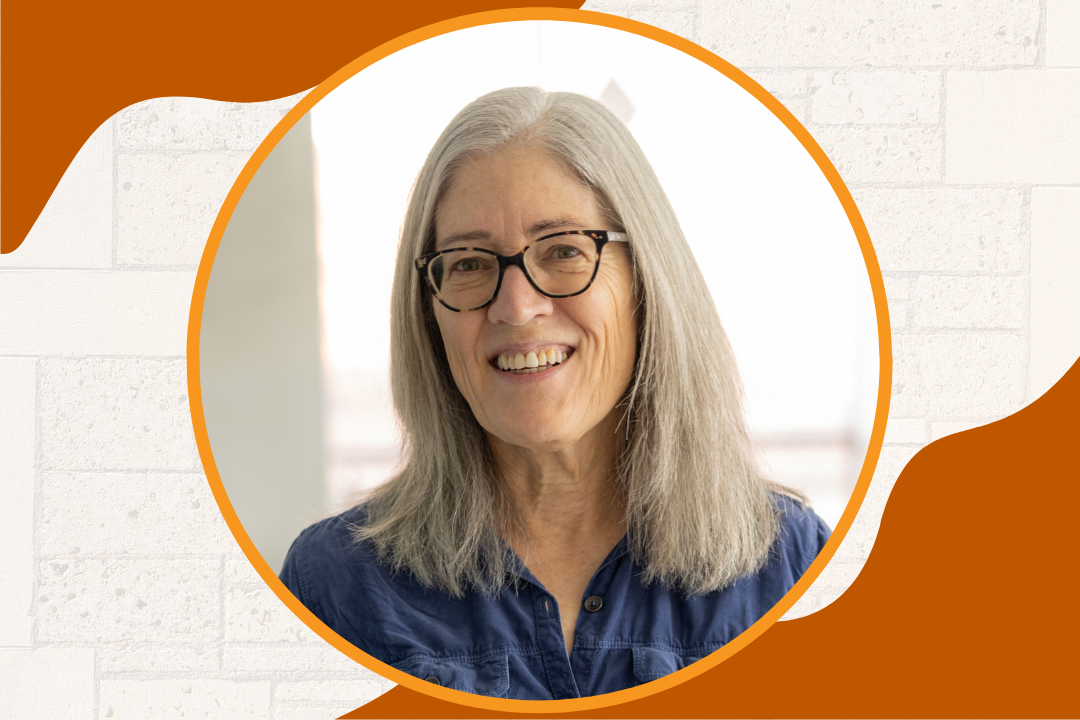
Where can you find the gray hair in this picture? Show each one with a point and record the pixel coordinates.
(698, 512)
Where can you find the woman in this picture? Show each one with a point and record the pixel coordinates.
(580, 511)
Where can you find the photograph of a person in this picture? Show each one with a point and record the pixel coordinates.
(579, 507)
(464, 376)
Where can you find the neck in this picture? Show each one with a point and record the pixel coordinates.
(564, 496)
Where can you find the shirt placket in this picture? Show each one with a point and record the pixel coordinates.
(595, 612)
(549, 637)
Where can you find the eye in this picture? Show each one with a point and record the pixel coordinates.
(467, 265)
(565, 252)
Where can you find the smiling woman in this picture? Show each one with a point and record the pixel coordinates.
(580, 511)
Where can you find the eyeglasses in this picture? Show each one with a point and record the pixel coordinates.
(560, 265)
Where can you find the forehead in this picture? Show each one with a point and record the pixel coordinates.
(517, 186)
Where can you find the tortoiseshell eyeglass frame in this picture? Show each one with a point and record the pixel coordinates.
(600, 237)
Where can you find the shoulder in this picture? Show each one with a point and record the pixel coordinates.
(333, 535)
(802, 533)
(325, 556)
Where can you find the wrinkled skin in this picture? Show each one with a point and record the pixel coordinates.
(514, 197)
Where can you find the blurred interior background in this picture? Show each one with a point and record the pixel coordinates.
(295, 334)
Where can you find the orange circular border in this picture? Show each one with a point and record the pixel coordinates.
(884, 348)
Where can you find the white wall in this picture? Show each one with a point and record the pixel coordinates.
(259, 367)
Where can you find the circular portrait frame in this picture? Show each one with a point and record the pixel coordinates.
(884, 349)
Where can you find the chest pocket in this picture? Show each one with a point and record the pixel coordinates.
(652, 664)
(489, 676)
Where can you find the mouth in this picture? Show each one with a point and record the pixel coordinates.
(532, 361)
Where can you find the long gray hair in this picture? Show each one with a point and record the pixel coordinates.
(698, 512)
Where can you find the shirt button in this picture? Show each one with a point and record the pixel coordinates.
(433, 679)
(593, 603)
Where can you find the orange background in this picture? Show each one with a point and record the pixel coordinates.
(966, 607)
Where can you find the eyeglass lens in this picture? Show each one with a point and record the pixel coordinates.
(561, 265)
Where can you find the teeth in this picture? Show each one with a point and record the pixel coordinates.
(533, 361)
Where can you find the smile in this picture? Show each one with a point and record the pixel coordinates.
(534, 361)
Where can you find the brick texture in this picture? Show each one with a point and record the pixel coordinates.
(1062, 31)
(857, 33)
(95, 312)
(115, 413)
(18, 446)
(166, 204)
(48, 683)
(137, 699)
(95, 513)
(985, 108)
(959, 231)
(876, 98)
(969, 302)
(1055, 292)
(149, 599)
(869, 154)
(954, 375)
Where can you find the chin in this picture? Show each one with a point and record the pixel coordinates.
(537, 436)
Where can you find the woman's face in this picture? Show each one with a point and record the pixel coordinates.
(503, 202)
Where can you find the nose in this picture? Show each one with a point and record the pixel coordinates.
(518, 302)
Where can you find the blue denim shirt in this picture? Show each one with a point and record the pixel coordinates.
(512, 645)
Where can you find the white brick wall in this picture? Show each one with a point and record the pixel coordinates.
(140, 699)
(79, 312)
(945, 301)
(939, 229)
(1062, 30)
(138, 513)
(876, 98)
(1055, 290)
(166, 204)
(47, 683)
(123, 599)
(866, 153)
(121, 591)
(860, 33)
(115, 413)
(18, 387)
(985, 110)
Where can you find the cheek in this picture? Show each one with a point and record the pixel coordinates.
(459, 336)
(616, 336)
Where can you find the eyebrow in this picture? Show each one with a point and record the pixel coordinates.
(570, 223)
(465, 237)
